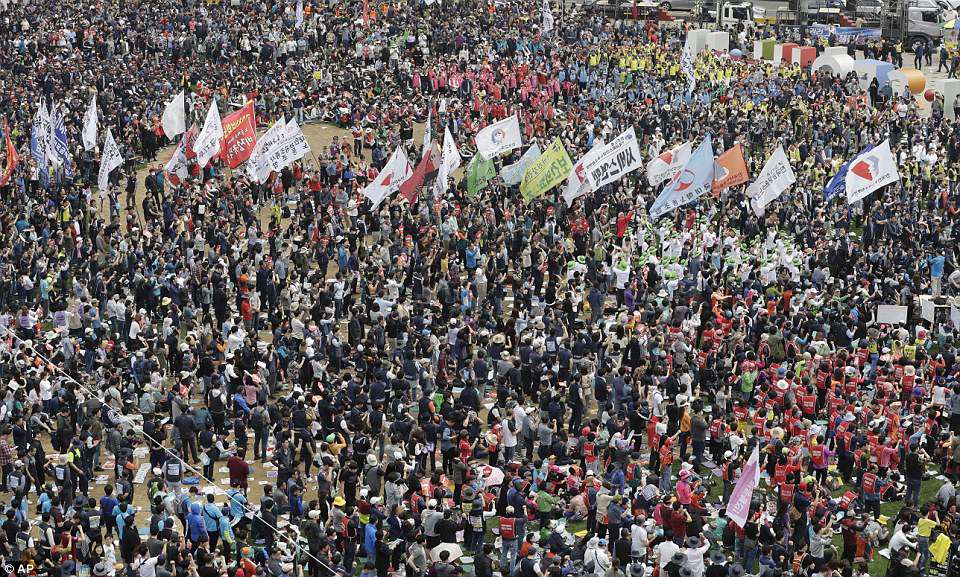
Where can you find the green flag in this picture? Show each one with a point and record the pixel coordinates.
(549, 170)
(479, 172)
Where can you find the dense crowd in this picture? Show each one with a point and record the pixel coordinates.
(464, 382)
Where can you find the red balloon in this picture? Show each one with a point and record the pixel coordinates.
(929, 94)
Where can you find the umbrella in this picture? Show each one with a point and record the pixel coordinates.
(453, 548)
(492, 476)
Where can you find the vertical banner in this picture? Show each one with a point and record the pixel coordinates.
(738, 508)
(552, 168)
(239, 135)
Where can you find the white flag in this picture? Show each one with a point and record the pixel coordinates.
(776, 177)
(292, 147)
(177, 165)
(208, 141)
(686, 63)
(692, 182)
(427, 135)
(603, 164)
(546, 17)
(258, 165)
(174, 119)
(869, 171)
(449, 161)
(299, 13)
(89, 132)
(512, 174)
(499, 137)
(396, 171)
(669, 163)
(109, 160)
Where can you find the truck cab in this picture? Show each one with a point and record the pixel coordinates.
(734, 13)
(924, 23)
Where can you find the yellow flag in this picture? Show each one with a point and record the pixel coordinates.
(549, 170)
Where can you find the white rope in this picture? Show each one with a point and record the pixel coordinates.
(186, 465)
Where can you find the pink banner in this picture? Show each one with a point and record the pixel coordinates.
(738, 508)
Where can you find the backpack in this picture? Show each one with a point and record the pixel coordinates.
(258, 417)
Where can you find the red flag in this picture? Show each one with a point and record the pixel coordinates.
(189, 137)
(426, 169)
(239, 135)
(12, 158)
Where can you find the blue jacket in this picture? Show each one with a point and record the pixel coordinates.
(196, 528)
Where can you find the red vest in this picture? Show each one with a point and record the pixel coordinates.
(508, 528)
(786, 492)
(817, 456)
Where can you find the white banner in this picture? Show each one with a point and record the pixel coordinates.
(668, 164)
(603, 165)
(174, 119)
(178, 162)
(870, 171)
(110, 159)
(292, 147)
(578, 184)
(512, 174)
(396, 171)
(89, 132)
(449, 161)
(616, 159)
(546, 18)
(208, 141)
(258, 165)
(499, 137)
(776, 177)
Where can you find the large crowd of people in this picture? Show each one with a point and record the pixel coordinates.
(464, 383)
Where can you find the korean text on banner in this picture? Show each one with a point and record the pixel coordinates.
(738, 508)
(239, 135)
(776, 177)
(549, 170)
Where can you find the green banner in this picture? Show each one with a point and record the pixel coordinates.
(548, 171)
(479, 173)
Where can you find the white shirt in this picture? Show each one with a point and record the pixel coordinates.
(509, 437)
(666, 550)
(134, 332)
(899, 541)
(638, 541)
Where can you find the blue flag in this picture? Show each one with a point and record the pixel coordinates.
(838, 184)
(39, 140)
(692, 182)
(60, 147)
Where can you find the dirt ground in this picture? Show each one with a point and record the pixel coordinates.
(319, 136)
